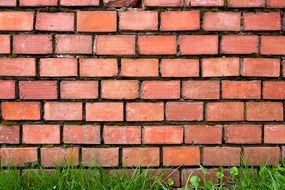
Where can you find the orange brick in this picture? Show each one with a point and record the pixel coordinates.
(162, 3)
(238, 44)
(198, 44)
(207, 3)
(184, 111)
(180, 20)
(63, 111)
(141, 156)
(276, 3)
(262, 21)
(163, 134)
(9, 134)
(160, 89)
(220, 67)
(139, 67)
(32, 44)
(195, 134)
(141, 111)
(19, 156)
(122, 135)
(107, 157)
(16, 21)
(73, 44)
(157, 45)
(57, 156)
(225, 111)
(261, 67)
(274, 90)
(38, 89)
(246, 3)
(104, 111)
(81, 134)
(7, 89)
(274, 134)
(119, 89)
(179, 67)
(79, 2)
(201, 89)
(20, 110)
(38, 3)
(272, 45)
(96, 21)
(8, 3)
(242, 134)
(222, 21)
(255, 156)
(98, 67)
(17, 67)
(221, 156)
(241, 89)
(115, 44)
(79, 89)
(264, 111)
(55, 21)
(5, 44)
(138, 20)
(41, 134)
(181, 156)
(58, 67)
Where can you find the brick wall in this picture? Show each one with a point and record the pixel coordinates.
(171, 83)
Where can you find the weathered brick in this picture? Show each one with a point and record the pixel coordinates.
(241, 89)
(225, 111)
(79, 89)
(184, 111)
(206, 3)
(5, 44)
(63, 111)
(274, 134)
(243, 134)
(220, 67)
(19, 156)
(239, 44)
(81, 134)
(73, 44)
(222, 21)
(262, 21)
(196, 134)
(143, 111)
(246, 3)
(79, 2)
(141, 156)
(104, 111)
(221, 156)
(194, 89)
(181, 156)
(41, 134)
(8, 3)
(20, 110)
(122, 134)
(272, 45)
(160, 89)
(260, 67)
(16, 21)
(7, 89)
(107, 157)
(163, 134)
(119, 89)
(58, 67)
(264, 111)
(38, 89)
(261, 155)
(276, 3)
(179, 68)
(9, 134)
(98, 67)
(139, 67)
(274, 90)
(38, 3)
(55, 21)
(162, 3)
(32, 44)
(17, 67)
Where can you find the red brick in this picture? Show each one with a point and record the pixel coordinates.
(157, 45)
(55, 21)
(122, 135)
(276, 3)
(98, 67)
(81, 134)
(18, 156)
(38, 3)
(184, 111)
(206, 3)
(57, 156)
(241, 89)
(32, 44)
(9, 134)
(220, 67)
(181, 156)
(8, 3)
(107, 157)
(73, 44)
(162, 3)
(104, 111)
(160, 89)
(283, 65)
(7, 89)
(261, 67)
(5, 44)
(122, 3)
(20, 110)
(138, 20)
(139, 67)
(63, 111)
(194, 89)
(17, 67)
(221, 156)
(225, 111)
(141, 111)
(96, 21)
(119, 89)
(41, 134)
(246, 3)
(274, 134)
(141, 156)
(38, 89)
(179, 67)
(274, 90)
(198, 44)
(79, 89)
(272, 45)
(195, 134)
(180, 20)
(242, 134)
(261, 155)
(79, 2)
(222, 21)
(238, 44)
(264, 111)
(115, 45)
(163, 134)
(58, 67)
(262, 21)
(16, 21)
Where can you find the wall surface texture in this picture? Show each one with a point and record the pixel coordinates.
(159, 83)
